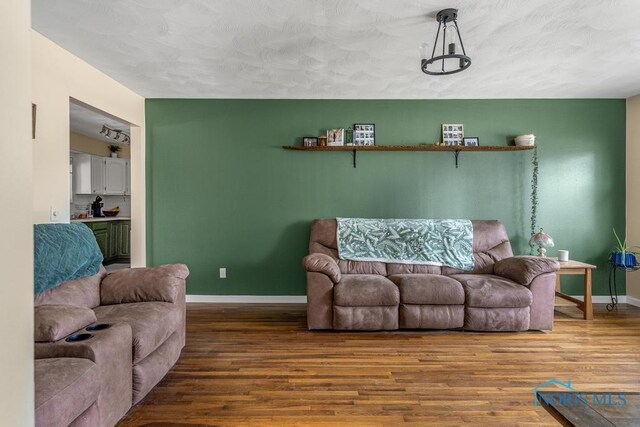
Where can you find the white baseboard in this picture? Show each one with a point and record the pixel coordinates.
(602, 299)
(633, 301)
(249, 299)
(301, 299)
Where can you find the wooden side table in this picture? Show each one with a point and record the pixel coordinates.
(577, 268)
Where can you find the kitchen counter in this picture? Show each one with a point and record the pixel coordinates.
(102, 219)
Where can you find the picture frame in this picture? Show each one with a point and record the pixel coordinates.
(364, 134)
(471, 141)
(452, 134)
(335, 137)
(310, 141)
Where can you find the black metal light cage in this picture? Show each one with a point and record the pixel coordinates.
(443, 17)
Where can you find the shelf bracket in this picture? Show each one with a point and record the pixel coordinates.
(456, 154)
(354, 158)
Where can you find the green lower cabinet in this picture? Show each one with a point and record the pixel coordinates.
(102, 237)
(124, 239)
(113, 238)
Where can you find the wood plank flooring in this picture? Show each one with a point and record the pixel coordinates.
(258, 365)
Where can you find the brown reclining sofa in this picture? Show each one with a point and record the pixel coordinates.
(102, 342)
(502, 293)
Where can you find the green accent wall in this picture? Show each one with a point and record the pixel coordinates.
(221, 192)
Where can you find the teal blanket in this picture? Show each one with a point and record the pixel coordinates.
(63, 252)
(444, 242)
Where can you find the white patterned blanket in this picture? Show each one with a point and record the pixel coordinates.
(444, 242)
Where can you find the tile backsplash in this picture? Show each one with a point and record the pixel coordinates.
(81, 203)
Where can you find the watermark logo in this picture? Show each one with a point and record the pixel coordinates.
(569, 396)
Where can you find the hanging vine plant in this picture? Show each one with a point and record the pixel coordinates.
(534, 191)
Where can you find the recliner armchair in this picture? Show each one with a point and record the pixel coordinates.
(117, 365)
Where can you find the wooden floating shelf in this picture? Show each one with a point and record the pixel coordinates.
(456, 149)
(410, 148)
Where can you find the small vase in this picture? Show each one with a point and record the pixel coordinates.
(114, 155)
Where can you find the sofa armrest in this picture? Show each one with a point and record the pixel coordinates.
(523, 269)
(56, 321)
(321, 263)
(162, 283)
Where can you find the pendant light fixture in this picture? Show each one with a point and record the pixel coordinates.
(451, 57)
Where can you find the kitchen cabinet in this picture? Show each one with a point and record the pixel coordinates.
(124, 239)
(97, 175)
(88, 174)
(100, 175)
(128, 190)
(101, 232)
(115, 176)
(114, 239)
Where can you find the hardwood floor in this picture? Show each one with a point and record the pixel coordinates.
(258, 365)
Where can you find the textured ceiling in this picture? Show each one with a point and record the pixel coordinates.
(89, 123)
(350, 48)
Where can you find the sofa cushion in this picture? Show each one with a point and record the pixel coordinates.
(357, 290)
(151, 323)
(510, 319)
(323, 240)
(56, 321)
(431, 316)
(428, 289)
(84, 292)
(380, 318)
(395, 268)
(523, 269)
(485, 290)
(164, 283)
(362, 267)
(64, 388)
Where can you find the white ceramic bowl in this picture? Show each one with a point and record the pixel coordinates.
(525, 140)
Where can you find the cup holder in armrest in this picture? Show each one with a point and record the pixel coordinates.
(78, 337)
(98, 327)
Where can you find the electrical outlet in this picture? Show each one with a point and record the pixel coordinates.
(223, 273)
(54, 214)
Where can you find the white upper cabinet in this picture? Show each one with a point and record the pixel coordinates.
(88, 174)
(97, 175)
(115, 176)
(128, 190)
(100, 175)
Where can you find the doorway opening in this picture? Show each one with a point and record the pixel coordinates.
(100, 180)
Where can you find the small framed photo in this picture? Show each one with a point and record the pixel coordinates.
(452, 134)
(335, 137)
(471, 141)
(364, 134)
(310, 141)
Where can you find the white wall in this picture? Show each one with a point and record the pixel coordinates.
(57, 76)
(16, 229)
(633, 182)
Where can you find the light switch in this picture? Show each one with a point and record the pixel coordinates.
(54, 215)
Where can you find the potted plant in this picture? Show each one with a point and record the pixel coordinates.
(622, 256)
(114, 150)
